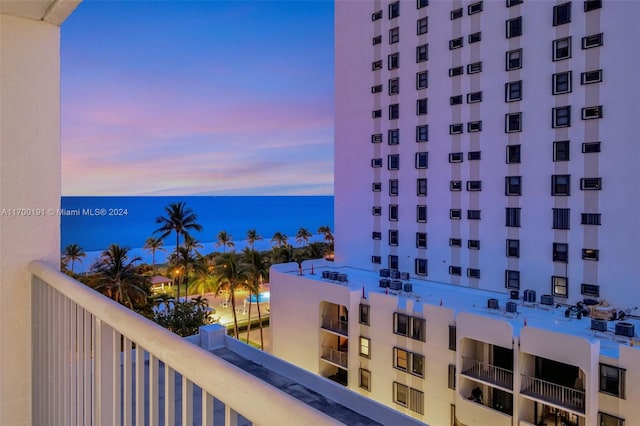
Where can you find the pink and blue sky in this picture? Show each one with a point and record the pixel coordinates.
(198, 98)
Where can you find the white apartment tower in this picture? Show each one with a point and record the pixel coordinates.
(482, 155)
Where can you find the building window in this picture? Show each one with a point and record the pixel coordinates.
(561, 151)
(513, 185)
(422, 80)
(455, 129)
(513, 122)
(376, 89)
(590, 113)
(590, 290)
(561, 218)
(455, 270)
(474, 8)
(513, 91)
(473, 155)
(474, 126)
(561, 83)
(376, 15)
(592, 41)
(400, 394)
(452, 377)
(511, 3)
(421, 106)
(559, 286)
(561, 185)
(394, 86)
(475, 37)
(561, 252)
(455, 100)
(422, 53)
(393, 261)
(421, 267)
(377, 40)
(513, 60)
(394, 35)
(455, 14)
(512, 279)
(512, 218)
(452, 337)
(421, 213)
(590, 5)
(365, 379)
(393, 61)
(365, 345)
(474, 68)
(418, 328)
(455, 214)
(590, 254)
(513, 248)
(592, 184)
(393, 186)
(421, 186)
(377, 211)
(394, 10)
(474, 97)
(376, 162)
(473, 244)
(513, 154)
(456, 71)
(612, 380)
(590, 77)
(422, 160)
(421, 240)
(456, 157)
(376, 113)
(455, 185)
(562, 14)
(394, 111)
(401, 324)
(422, 133)
(456, 43)
(590, 218)
(376, 260)
(514, 27)
(607, 419)
(590, 147)
(393, 136)
(561, 117)
(376, 138)
(376, 65)
(473, 273)
(455, 242)
(422, 26)
(474, 185)
(422, 3)
(473, 214)
(376, 186)
(393, 214)
(562, 48)
(417, 365)
(375, 235)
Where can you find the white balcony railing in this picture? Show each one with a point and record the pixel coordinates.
(563, 396)
(335, 325)
(487, 372)
(96, 362)
(335, 356)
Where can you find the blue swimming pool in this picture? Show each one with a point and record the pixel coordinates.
(262, 297)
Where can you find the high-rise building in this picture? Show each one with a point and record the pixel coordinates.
(482, 150)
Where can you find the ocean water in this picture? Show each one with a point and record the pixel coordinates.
(96, 222)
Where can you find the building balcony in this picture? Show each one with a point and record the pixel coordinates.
(334, 356)
(561, 396)
(487, 373)
(335, 325)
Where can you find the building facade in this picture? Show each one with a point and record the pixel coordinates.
(480, 194)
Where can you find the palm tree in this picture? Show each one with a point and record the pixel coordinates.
(72, 252)
(303, 236)
(192, 244)
(225, 240)
(279, 239)
(164, 299)
(257, 271)
(204, 280)
(116, 276)
(186, 260)
(153, 244)
(179, 219)
(314, 250)
(328, 235)
(252, 237)
(231, 274)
